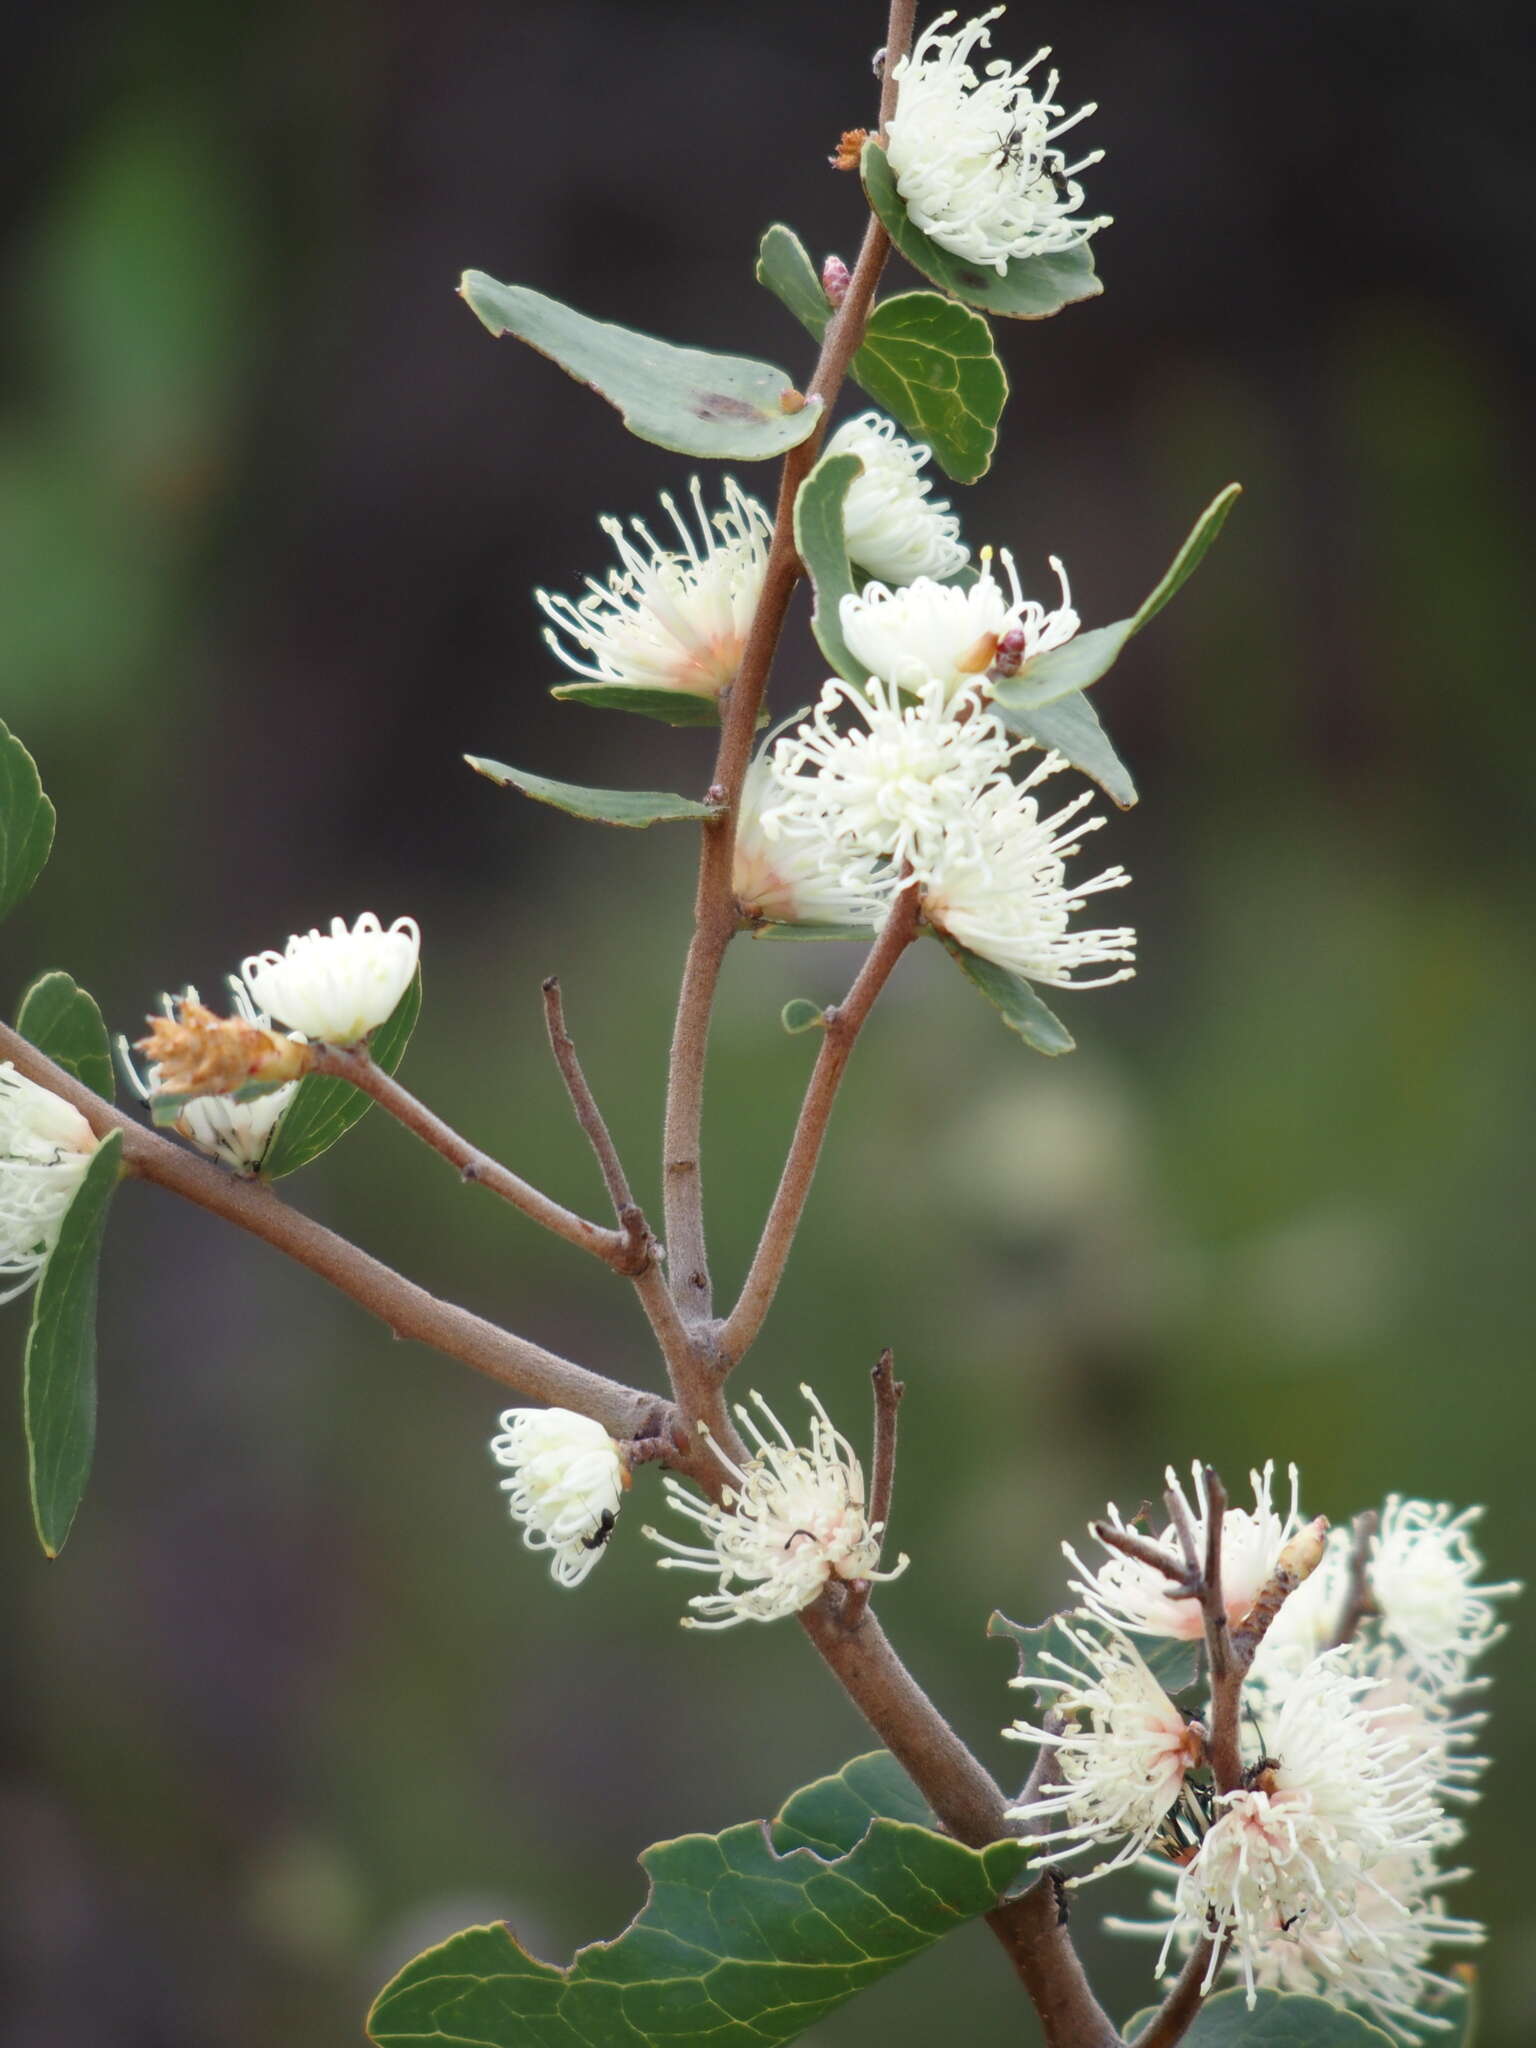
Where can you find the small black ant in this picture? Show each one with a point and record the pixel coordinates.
(602, 1532)
(1010, 149)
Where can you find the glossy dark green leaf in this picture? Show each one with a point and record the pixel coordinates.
(59, 1371)
(928, 361)
(60, 1019)
(747, 1939)
(324, 1107)
(1071, 728)
(821, 545)
(680, 398)
(800, 1014)
(1056, 674)
(1278, 2020)
(1015, 1002)
(1029, 290)
(671, 707)
(26, 822)
(629, 807)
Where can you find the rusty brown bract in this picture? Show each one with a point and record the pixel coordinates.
(198, 1052)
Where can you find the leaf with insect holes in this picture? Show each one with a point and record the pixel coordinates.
(61, 1020)
(747, 1938)
(1029, 288)
(630, 807)
(928, 361)
(680, 398)
(26, 822)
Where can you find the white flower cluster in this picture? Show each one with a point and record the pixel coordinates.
(976, 155)
(45, 1148)
(788, 1521)
(1323, 1871)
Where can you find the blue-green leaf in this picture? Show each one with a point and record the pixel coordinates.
(670, 707)
(631, 807)
(1031, 289)
(324, 1107)
(1070, 727)
(61, 1020)
(1015, 1002)
(1061, 670)
(821, 545)
(747, 1939)
(26, 822)
(680, 398)
(801, 1014)
(59, 1371)
(928, 361)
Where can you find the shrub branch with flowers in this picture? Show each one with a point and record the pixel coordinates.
(1275, 1721)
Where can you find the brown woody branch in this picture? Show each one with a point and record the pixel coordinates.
(410, 1311)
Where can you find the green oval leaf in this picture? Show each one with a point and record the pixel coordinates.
(1278, 2020)
(59, 1371)
(1071, 728)
(1015, 1002)
(1057, 673)
(820, 543)
(26, 822)
(801, 1014)
(928, 362)
(60, 1019)
(1029, 290)
(747, 1939)
(324, 1107)
(671, 707)
(680, 398)
(631, 807)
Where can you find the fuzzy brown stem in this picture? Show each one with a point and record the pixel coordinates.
(1145, 1552)
(840, 1029)
(714, 913)
(410, 1311)
(1224, 1743)
(1358, 1601)
(1176, 2013)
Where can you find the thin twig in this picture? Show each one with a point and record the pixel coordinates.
(1358, 1599)
(841, 1027)
(409, 1310)
(583, 1101)
(882, 1474)
(1145, 1551)
(714, 909)
(613, 1247)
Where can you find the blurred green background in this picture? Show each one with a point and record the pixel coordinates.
(295, 1701)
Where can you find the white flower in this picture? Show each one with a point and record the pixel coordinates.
(568, 1478)
(787, 1523)
(1129, 1594)
(975, 155)
(45, 1148)
(1422, 1578)
(337, 988)
(890, 527)
(1341, 1790)
(894, 783)
(1122, 1757)
(1420, 1719)
(926, 630)
(670, 618)
(238, 1133)
(1378, 1958)
(792, 877)
(997, 883)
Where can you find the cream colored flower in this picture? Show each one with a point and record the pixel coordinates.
(890, 527)
(45, 1149)
(567, 1483)
(336, 987)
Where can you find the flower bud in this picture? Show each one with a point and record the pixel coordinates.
(835, 280)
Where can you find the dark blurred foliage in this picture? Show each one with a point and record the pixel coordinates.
(271, 507)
